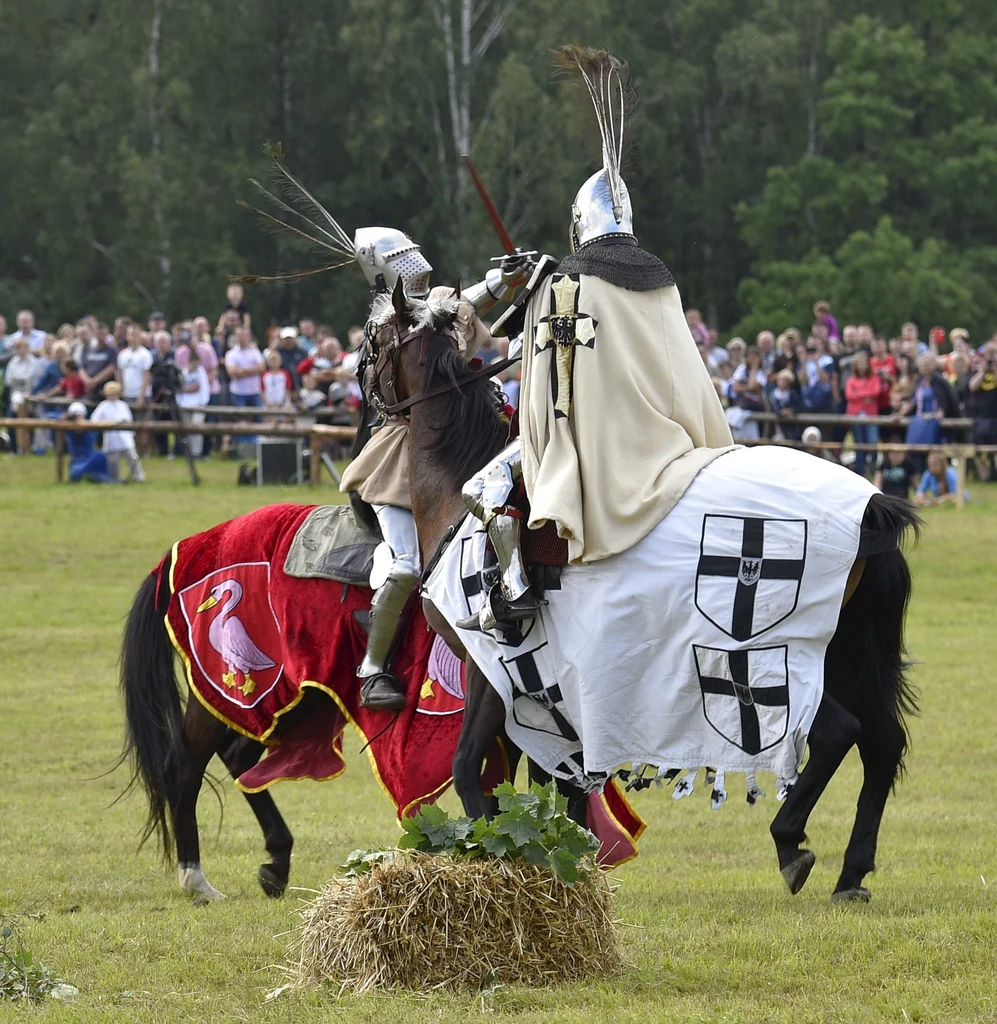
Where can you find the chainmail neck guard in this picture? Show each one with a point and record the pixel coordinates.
(620, 261)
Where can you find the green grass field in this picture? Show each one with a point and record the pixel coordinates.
(709, 929)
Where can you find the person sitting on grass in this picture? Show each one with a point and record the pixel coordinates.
(85, 462)
(896, 474)
(939, 484)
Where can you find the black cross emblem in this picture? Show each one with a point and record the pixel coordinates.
(748, 569)
(747, 698)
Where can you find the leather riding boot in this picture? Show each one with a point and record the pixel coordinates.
(380, 688)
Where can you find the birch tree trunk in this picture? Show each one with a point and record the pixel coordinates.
(162, 243)
(463, 56)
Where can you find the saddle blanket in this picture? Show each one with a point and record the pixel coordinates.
(703, 644)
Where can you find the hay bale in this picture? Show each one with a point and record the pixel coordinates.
(427, 920)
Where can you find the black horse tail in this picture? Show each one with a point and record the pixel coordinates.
(870, 638)
(153, 713)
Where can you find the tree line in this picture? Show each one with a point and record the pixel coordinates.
(785, 150)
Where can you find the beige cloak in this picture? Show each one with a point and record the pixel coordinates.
(618, 412)
(379, 474)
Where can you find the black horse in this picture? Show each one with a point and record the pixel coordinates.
(456, 426)
(170, 748)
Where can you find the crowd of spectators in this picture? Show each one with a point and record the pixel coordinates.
(181, 370)
(852, 371)
(184, 369)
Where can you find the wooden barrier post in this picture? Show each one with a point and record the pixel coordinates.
(60, 451)
(962, 453)
(315, 459)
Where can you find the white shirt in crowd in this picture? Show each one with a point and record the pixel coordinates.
(133, 364)
(21, 375)
(275, 387)
(114, 410)
(188, 399)
(248, 358)
(741, 375)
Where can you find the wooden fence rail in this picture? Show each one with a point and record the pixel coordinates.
(317, 433)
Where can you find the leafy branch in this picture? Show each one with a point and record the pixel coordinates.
(21, 976)
(533, 825)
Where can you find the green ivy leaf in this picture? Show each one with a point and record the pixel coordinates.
(520, 832)
(564, 865)
(498, 845)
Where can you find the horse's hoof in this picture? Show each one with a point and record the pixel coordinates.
(860, 894)
(797, 873)
(270, 882)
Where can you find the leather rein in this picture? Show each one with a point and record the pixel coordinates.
(386, 359)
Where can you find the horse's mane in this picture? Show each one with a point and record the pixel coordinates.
(471, 428)
(468, 427)
(437, 311)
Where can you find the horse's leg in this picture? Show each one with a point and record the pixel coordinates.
(202, 735)
(239, 754)
(881, 757)
(484, 718)
(834, 732)
(872, 667)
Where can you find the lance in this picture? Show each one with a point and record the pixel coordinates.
(504, 237)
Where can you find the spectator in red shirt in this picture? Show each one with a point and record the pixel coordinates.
(884, 366)
(71, 385)
(862, 396)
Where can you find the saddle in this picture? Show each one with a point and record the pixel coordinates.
(540, 547)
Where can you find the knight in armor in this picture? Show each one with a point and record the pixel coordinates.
(617, 411)
(378, 474)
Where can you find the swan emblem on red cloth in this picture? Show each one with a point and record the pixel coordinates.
(228, 636)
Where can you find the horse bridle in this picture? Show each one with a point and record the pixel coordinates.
(386, 356)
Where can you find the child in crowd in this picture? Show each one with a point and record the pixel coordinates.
(118, 443)
(195, 393)
(785, 402)
(939, 484)
(896, 474)
(277, 384)
(71, 385)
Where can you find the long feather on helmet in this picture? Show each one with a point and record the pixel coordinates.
(301, 216)
(607, 83)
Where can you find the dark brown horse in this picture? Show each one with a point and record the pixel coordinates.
(456, 426)
(170, 747)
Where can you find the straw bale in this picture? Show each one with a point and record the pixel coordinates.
(431, 920)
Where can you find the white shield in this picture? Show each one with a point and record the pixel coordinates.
(745, 694)
(749, 573)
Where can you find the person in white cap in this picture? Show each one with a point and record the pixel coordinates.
(85, 462)
(118, 443)
(812, 437)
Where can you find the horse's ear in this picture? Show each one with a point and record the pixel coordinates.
(398, 298)
(458, 291)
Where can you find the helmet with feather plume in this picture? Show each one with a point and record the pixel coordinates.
(602, 205)
(383, 254)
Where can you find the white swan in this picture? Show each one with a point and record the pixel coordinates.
(228, 636)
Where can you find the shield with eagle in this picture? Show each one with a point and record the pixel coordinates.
(749, 572)
(233, 634)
